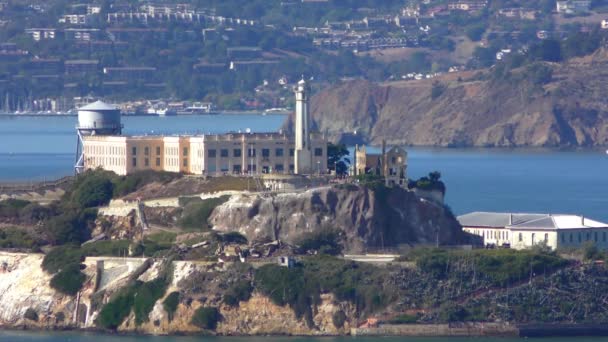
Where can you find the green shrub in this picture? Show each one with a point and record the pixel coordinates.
(404, 319)
(206, 318)
(452, 313)
(10, 208)
(13, 237)
(123, 247)
(34, 213)
(338, 318)
(139, 296)
(432, 182)
(92, 189)
(146, 295)
(300, 287)
(162, 237)
(61, 257)
(117, 309)
(69, 280)
(283, 285)
(361, 284)
(196, 213)
(67, 228)
(322, 241)
(498, 266)
(133, 182)
(238, 292)
(437, 90)
(475, 31)
(591, 252)
(106, 248)
(31, 314)
(233, 237)
(152, 249)
(170, 304)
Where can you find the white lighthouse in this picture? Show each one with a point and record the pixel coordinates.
(303, 151)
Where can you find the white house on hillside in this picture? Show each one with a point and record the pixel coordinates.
(522, 230)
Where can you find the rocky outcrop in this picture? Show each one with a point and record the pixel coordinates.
(24, 286)
(366, 218)
(569, 110)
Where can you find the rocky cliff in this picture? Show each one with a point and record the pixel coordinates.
(482, 109)
(366, 218)
(26, 294)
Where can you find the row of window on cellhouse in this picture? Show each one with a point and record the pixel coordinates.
(580, 237)
(172, 150)
(252, 152)
(146, 162)
(278, 168)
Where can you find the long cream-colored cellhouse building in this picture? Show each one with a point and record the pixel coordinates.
(103, 146)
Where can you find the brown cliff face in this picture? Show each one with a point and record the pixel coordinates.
(366, 218)
(25, 286)
(570, 110)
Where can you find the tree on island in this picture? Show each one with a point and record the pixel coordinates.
(430, 182)
(337, 158)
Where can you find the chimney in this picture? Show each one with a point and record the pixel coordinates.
(510, 219)
(582, 220)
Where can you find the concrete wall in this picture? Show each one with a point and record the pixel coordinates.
(460, 329)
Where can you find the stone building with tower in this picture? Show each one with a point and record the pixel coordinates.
(102, 145)
(391, 164)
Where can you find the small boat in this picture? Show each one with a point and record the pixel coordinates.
(198, 108)
(163, 111)
(276, 111)
(166, 112)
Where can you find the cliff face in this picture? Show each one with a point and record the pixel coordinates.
(570, 110)
(366, 218)
(25, 286)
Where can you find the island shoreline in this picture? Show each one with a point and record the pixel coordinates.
(456, 329)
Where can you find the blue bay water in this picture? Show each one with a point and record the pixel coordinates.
(517, 180)
(10, 336)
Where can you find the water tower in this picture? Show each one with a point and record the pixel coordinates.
(97, 118)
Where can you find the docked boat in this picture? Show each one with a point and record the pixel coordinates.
(277, 111)
(164, 111)
(198, 108)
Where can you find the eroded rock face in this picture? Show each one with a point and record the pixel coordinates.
(368, 219)
(117, 227)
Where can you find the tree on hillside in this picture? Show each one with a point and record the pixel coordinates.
(475, 32)
(93, 189)
(548, 50)
(337, 159)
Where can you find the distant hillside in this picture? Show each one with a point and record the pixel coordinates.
(543, 104)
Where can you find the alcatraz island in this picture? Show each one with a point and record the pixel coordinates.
(281, 234)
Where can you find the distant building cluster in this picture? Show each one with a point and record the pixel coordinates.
(468, 6)
(573, 6)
